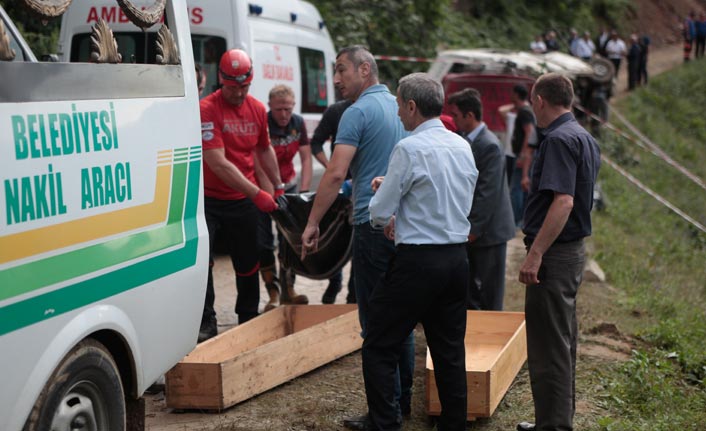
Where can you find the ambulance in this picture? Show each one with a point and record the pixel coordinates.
(103, 242)
(287, 40)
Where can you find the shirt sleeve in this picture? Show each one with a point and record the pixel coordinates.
(350, 129)
(322, 132)
(263, 140)
(559, 167)
(303, 135)
(386, 200)
(210, 128)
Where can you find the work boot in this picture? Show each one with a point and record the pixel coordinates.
(330, 293)
(208, 330)
(273, 291)
(271, 284)
(289, 295)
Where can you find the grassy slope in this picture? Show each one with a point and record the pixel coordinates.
(656, 259)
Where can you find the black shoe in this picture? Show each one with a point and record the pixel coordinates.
(208, 330)
(359, 423)
(525, 426)
(330, 293)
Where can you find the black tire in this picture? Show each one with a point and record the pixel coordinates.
(84, 390)
(603, 69)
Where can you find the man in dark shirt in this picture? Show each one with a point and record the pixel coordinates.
(557, 218)
(327, 128)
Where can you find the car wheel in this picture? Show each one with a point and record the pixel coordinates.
(603, 70)
(83, 393)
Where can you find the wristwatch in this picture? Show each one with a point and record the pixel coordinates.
(280, 186)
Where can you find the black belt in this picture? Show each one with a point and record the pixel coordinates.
(428, 246)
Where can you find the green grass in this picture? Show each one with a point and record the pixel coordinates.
(656, 259)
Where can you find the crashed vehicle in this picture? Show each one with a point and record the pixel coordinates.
(494, 72)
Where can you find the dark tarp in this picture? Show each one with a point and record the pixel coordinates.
(335, 239)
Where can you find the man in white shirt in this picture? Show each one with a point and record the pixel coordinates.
(615, 49)
(423, 202)
(585, 47)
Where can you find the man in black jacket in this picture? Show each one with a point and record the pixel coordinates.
(492, 223)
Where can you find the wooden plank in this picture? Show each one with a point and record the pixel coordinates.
(264, 329)
(509, 363)
(267, 366)
(306, 316)
(192, 384)
(272, 359)
(496, 349)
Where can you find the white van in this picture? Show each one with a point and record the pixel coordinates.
(286, 39)
(103, 242)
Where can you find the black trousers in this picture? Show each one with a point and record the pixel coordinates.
(486, 287)
(424, 284)
(550, 313)
(237, 221)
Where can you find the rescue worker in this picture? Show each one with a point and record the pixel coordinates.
(234, 134)
(289, 137)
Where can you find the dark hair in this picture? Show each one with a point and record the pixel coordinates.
(468, 100)
(556, 89)
(427, 93)
(358, 54)
(521, 91)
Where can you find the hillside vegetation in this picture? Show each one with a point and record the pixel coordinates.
(655, 259)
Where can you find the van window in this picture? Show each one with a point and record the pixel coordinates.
(207, 52)
(15, 46)
(314, 88)
(131, 45)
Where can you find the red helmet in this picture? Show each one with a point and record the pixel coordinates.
(235, 68)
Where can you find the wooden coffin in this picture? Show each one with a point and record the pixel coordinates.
(496, 349)
(258, 355)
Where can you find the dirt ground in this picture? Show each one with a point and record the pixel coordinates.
(321, 399)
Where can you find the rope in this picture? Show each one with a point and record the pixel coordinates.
(649, 191)
(643, 143)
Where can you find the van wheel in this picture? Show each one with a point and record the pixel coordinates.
(84, 393)
(603, 70)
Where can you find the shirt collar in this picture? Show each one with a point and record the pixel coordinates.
(558, 121)
(374, 89)
(475, 132)
(429, 124)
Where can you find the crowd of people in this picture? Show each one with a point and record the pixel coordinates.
(432, 214)
(609, 45)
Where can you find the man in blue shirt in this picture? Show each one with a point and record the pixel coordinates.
(367, 132)
(423, 202)
(557, 218)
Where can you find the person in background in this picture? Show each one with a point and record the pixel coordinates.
(537, 45)
(585, 47)
(200, 79)
(325, 131)
(615, 51)
(551, 41)
(232, 196)
(700, 35)
(491, 218)
(557, 219)
(642, 76)
(423, 203)
(367, 133)
(602, 40)
(289, 138)
(523, 142)
(573, 39)
(689, 33)
(634, 54)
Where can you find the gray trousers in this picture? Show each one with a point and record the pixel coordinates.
(550, 313)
